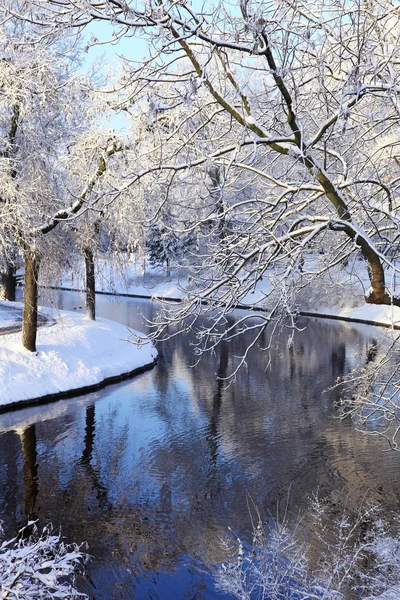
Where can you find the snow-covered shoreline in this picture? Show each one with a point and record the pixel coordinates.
(368, 314)
(155, 285)
(387, 316)
(74, 355)
(71, 358)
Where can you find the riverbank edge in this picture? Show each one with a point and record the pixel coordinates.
(54, 397)
(302, 313)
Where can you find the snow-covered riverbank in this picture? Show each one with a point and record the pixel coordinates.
(339, 294)
(330, 302)
(72, 354)
(370, 314)
(76, 353)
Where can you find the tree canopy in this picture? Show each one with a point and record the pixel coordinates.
(269, 130)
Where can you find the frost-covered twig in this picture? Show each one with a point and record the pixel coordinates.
(341, 554)
(40, 566)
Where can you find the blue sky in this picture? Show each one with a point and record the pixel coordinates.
(109, 54)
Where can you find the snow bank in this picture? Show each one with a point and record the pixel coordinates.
(73, 353)
(385, 315)
(378, 314)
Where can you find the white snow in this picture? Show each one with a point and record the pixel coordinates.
(250, 120)
(126, 279)
(391, 594)
(7, 315)
(72, 353)
(376, 313)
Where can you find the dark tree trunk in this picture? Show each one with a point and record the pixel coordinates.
(29, 326)
(8, 284)
(30, 470)
(89, 435)
(216, 193)
(90, 285)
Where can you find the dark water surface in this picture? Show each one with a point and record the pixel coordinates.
(153, 471)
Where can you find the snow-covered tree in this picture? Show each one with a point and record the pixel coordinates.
(167, 244)
(91, 224)
(296, 108)
(46, 109)
(162, 246)
(37, 116)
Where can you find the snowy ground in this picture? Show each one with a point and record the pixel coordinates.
(130, 277)
(389, 316)
(72, 353)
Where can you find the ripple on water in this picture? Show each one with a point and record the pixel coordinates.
(153, 471)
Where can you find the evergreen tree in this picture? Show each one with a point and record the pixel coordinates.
(163, 245)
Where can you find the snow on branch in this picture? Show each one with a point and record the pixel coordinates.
(341, 555)
(40, 566)
(68, 212)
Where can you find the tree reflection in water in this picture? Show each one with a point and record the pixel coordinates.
(30, 471)
(152, 472)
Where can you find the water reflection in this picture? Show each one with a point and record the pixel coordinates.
(30, 471)
(152, 472)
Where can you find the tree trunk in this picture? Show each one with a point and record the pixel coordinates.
(216, 194)
(8, 284)
(90, 284)
(378, 294)
(29, 326)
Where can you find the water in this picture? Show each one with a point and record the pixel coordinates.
(152, 472)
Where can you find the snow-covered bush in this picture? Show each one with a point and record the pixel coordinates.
(39, 566)
(371, 392)
(273, 567)
(339, 556)
(386, 582)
